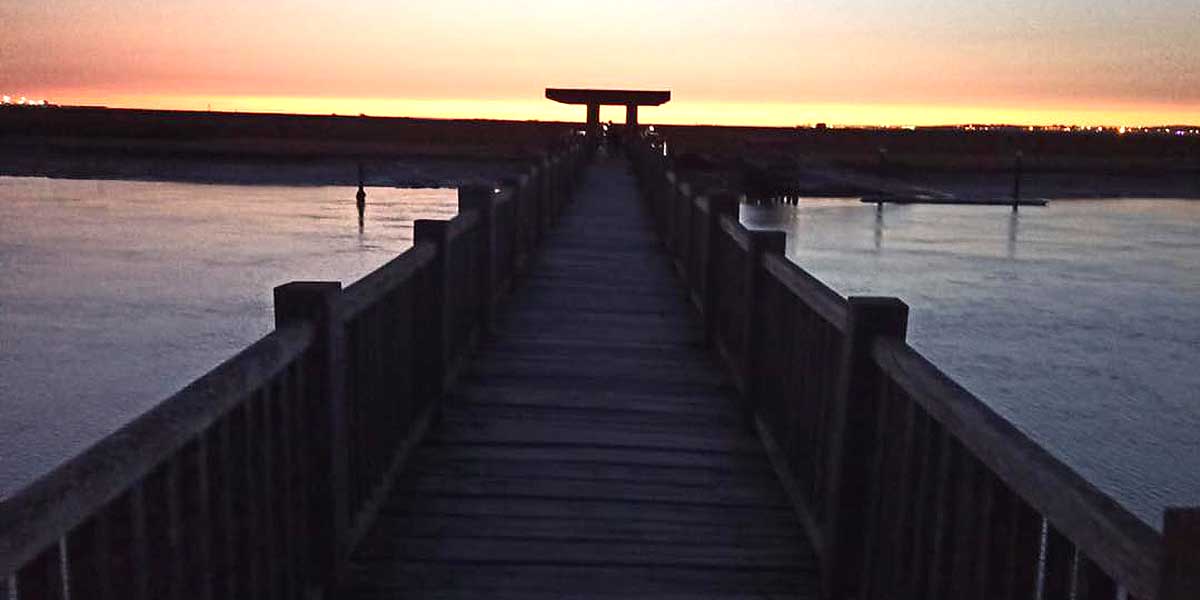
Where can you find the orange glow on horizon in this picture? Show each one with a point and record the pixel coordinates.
(677, 112)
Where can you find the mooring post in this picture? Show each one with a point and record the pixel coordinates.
(315, 302)
(1018, 166)
(1181, 554)
(852, 438)
(762, 243)
(436, 357)
(482, 199)
(719, 204)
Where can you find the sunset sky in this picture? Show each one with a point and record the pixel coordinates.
(777, 62)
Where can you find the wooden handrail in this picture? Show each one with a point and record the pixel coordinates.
(736, 232)
(1120, 543)
(367, 291)
(829, 304)
(42, 513)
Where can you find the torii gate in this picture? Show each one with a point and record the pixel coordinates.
(630, 99)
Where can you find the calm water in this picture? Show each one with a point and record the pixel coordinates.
(114, 294)
(1080, 321)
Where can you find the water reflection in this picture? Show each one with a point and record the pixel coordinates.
(879, 227)
(117, 293)
(1014, 220)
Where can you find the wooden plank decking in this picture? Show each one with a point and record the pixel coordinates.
(592, 449)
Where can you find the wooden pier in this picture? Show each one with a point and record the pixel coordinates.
(594, 383)
(591, 448)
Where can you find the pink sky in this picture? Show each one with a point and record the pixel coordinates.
(755, 62)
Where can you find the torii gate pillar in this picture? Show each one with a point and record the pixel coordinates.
(593, 117)
(630, 99)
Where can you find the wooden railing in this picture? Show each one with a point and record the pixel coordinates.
(908, 485)
(257, 480)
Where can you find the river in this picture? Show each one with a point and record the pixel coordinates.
(116, 294)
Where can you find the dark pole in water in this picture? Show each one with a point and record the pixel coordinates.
(1017, 167)
(361, 198)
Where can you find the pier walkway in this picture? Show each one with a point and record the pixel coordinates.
(592, 382)
(592, 448)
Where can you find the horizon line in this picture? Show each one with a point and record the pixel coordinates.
(725, 114)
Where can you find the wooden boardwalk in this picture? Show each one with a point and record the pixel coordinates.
(592, 448)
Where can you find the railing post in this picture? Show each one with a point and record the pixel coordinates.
(683, 192)
(545, 196)
(520, 231)
(719, 204)
(560, 186)
(436, 357)
(665, 189)
(1181, 554)
(761, 244)
(542, 198)
(325, 373)
(667, 184)
(483, 199)
(851, 439)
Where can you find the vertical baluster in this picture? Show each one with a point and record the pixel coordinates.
(143, 548)
(880, 512)
(943, 524)
(966, 541)
(242, 506)
(1181, 563)
(985, 581)
(41, 578)
(924, 509)
(224, 480)
(180, 555)
(438, 299)
(1092, 583)
(1022, 529)
(900, 427)
(1059, 566)
(719, 206)
(762, 243)
(358, 410)
(160, 564)
(285, 465)
(201, 509)
(905, 564)
(482, 200)
(301, 538)
(253, 505)
(88, 557)
(268, 474)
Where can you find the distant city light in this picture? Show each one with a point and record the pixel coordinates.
(7, 100)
